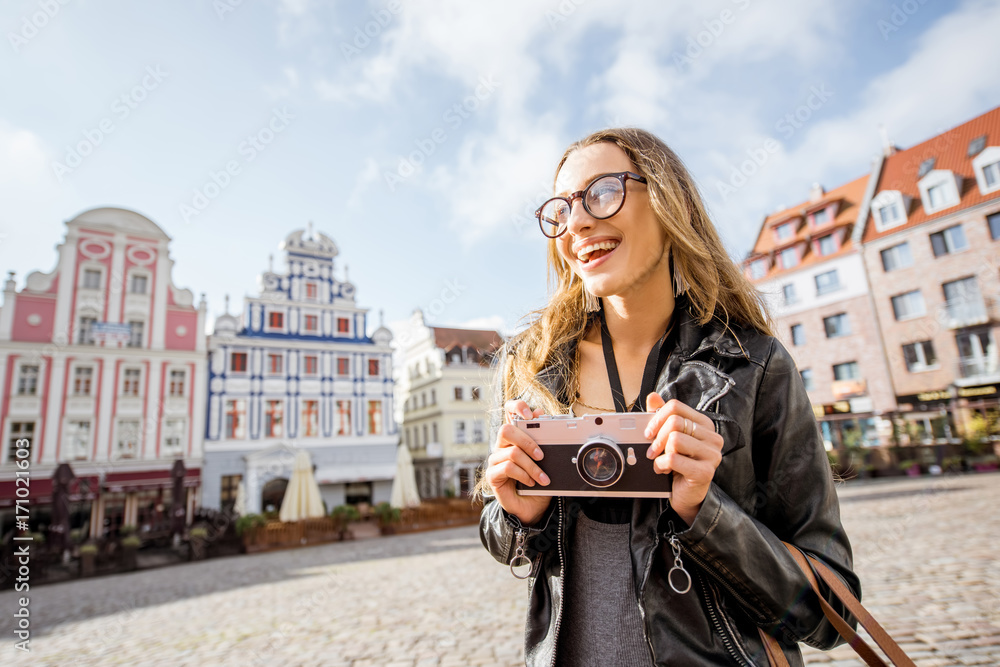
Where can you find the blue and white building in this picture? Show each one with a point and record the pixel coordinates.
(298, 370)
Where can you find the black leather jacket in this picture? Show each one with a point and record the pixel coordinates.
(774, 484)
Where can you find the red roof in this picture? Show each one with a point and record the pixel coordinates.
(848, 196)
(950, 151)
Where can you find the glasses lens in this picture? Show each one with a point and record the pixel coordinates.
(604, 197)
(554, 214)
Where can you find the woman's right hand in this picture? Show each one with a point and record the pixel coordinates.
(513, 460)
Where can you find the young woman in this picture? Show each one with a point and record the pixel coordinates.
(649, 313)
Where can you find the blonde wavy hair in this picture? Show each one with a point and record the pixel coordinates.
(715, 285)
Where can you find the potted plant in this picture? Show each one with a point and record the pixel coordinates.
(388, 517)
(199, 542)
(342, 516)
(910, 467)
(88, 557)
(130, 545)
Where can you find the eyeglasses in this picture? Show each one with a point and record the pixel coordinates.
(604, 197)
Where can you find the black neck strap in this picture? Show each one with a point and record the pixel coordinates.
(654, 366)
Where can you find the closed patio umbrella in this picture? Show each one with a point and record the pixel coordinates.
(240, 505)
(302, 498)
(404, 486)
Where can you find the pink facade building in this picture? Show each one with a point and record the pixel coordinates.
(102, 367)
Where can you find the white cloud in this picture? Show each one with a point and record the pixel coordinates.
(23, 159)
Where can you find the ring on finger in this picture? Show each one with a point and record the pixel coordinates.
(694, 428)
(687, 426)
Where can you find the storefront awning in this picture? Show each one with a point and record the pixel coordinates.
(355, 473)
(139, 480)
(39, 490)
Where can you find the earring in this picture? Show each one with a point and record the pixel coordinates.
(680, 285)
(590, 302)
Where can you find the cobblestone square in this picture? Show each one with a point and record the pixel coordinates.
(924, 549)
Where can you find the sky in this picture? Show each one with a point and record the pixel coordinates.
(421, 135)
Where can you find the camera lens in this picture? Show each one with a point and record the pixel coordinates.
(600, 463)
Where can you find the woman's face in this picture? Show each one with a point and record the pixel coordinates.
(623, 252)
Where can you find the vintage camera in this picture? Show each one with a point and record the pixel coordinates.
(595, 455)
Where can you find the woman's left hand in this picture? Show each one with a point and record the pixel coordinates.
(686, 444)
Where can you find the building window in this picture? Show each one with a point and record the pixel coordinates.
(909, 305)
(85, 334)
(897, 257)
(459, 431)
(137, 284)
(230, 487)
(311, 291)
(27, 381)
(758, 269)
(423, 429)
(343, 417)
(310, 363)
(827, 282)
(785, 231)
(963, 302)
(458, 393)
(20, 431)
(130, 382)
(173, 437)
(434, 398)
(236, 419)
(837, 326)
(827, 245)
(177, 380)
(789, 258)
(82, 375)
(276, 320)
(991, 174)
(948, 241)
(798, 334)
(373, 367)
(889, 214)
(343, 366)
(994, 223)
(789, 293)
(374, 417)
(434, 432)
(238, 362)
(136, 329)
(310, 419)
(807, 378)
(91, 279)
(343, 325)
(821, 217)
(920, 356)
(275, 364)
(846, 371)
(128, 439)
(274, 416)
(475, 393)
(937, 195)
(977, 353)
(78, 439)
(477, 431)
(311, 323)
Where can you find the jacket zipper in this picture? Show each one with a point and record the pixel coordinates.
(719, 629)
(562, 585)
(642, 587)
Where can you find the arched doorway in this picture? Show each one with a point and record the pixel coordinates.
(272, 495)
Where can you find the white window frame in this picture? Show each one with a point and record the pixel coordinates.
(268, 370)
(789, 231)
(948, 238)
(794, 252)
(908, 301)
(139, 273)
(988, 157)
(943, 178)
(83, 277)
(123, 429)
(460, 432)
(834, 246)
(267, 320)
(808, 378)
(77, 447)
(319, 323)
(758, 268)
(856, 375)
(833, 287)
(90, 385)
(131, 334)
(921, 364)
(801, 328)
(894, 253)
(847, 326)
(172, 431)
(170, 382)
(138, 381)
(887, 198)
(21, 378)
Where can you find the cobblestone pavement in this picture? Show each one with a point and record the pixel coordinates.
(924, 551)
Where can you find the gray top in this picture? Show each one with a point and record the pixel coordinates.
(601, 624)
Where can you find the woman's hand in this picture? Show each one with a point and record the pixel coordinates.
(513, 460)
(686, 444)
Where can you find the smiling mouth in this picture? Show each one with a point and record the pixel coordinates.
(590, 252)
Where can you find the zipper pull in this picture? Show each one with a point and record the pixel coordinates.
(520, 559)
(682, 575)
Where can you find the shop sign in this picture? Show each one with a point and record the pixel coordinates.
(977, 392)
(848, 388)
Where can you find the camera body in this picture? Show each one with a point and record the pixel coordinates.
(595, 455)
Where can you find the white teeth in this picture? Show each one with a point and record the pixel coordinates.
(584, 253)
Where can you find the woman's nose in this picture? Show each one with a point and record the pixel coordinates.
(579, 219)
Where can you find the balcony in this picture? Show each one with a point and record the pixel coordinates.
(978, 370)
(965, 312)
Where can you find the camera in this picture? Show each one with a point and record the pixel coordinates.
(595, 455)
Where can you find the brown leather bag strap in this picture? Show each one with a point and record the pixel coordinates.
(812, 567)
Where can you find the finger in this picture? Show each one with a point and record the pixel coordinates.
(671, 424)
(654, 402)
(701, 421)
(525, 462)
(511, 436)
(537, 412)
(518, 408)
(508, 470)
(693, 471)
